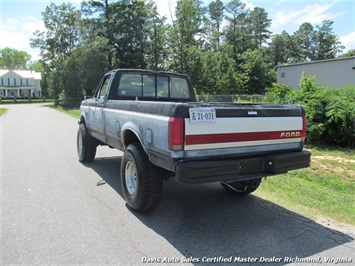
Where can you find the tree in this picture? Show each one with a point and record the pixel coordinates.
(304, 37)
(254, 72)
(156, 40)
(129, 19)
(90, 7)
(316, 44)
(13, 59)
(349, 53)
(62, 35)
(216, 15)
(101, 26)
(259, 24)
(237, 34)
(327, 44)
(78, 77)
(36, 66)
(280, 48)
(218, 75)
(189, 19)
(185, 39)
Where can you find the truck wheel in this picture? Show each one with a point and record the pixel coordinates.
(140, 180)
(86, 145)
(241, 188)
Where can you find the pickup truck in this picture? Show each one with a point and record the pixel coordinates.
(154, 118)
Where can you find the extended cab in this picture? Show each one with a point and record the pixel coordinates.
(153, 117)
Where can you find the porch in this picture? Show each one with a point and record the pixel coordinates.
(11, 93)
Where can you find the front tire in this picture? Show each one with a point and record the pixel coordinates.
(241, 188)
(140, 180)
(86, 145)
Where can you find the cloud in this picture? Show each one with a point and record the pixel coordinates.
(348, 41)
(16, 34)
(316, 13)
(312, 13)
(166, 9)
(248, 4)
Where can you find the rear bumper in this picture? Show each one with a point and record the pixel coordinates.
(241, 169)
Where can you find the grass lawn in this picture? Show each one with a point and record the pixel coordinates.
(2, 111)
(327, 188)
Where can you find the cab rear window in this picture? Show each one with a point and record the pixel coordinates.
(141, 85)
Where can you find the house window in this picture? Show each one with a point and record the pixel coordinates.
(14, 82)
(26, 82)
(2, 82)
(21, 81)
(283, 75)
(8, 81)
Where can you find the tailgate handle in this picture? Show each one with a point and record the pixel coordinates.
(252, 113)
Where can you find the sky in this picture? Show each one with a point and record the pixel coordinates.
(20, 18)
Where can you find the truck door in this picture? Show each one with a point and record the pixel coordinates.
(98, 126)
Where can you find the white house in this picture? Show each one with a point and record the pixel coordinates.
(333, 73)
(20, 84)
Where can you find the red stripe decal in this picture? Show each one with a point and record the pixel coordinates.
(238, 137)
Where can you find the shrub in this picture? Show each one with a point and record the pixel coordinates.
(330, 112)
(68, 101)
(340, 116)
(278, 93)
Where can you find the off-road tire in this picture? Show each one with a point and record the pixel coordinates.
(241, 188)
(86, 145)
(141, 181)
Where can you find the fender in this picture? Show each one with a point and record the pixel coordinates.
(130, 127)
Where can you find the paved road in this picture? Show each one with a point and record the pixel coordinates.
(56, 210)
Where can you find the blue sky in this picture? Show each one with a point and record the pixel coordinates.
(20, 18)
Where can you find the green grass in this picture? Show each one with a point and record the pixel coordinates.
(74, 112)
(2, 111)
(327, 188)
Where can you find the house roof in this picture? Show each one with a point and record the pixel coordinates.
(22, 73)
(317, 62)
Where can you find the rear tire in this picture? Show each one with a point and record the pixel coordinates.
(140, 180)
(241, 188)
(86, 145)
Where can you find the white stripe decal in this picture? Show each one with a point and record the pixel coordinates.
(227, 125)
(240, 144)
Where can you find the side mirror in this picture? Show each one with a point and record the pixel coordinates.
(87, 93)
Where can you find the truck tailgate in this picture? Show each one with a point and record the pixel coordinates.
(243, 130)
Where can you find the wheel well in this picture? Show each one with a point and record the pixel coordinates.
(82, 120)
(130, 137)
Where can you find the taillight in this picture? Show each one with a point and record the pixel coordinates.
(176, 133)
(304, 128)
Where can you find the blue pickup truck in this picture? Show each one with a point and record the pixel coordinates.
(154, 118)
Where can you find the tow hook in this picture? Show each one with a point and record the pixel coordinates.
(255, 183)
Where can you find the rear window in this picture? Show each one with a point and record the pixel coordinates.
(138, 85)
